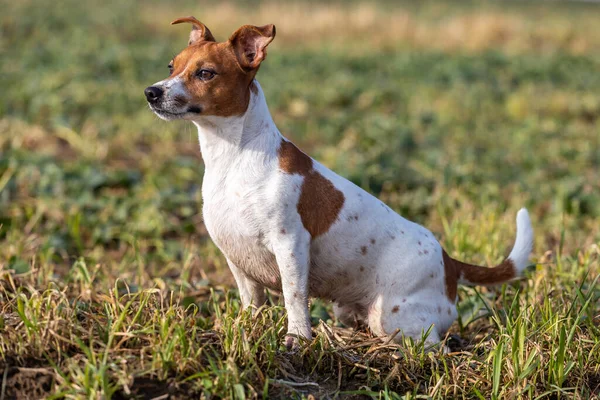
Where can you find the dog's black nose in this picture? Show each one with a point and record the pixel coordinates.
(153, 93)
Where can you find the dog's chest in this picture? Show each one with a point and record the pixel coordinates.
(235, 213)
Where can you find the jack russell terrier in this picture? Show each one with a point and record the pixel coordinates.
(287, 223)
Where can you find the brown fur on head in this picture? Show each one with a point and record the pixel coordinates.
(210, 78)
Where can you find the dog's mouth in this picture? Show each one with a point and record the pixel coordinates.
(170, 115)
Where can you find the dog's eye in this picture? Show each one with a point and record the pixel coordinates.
(170, 66)
(205, 74)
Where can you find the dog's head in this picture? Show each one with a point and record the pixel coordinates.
(210, 78)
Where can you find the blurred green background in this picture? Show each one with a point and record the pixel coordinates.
(447, 111)
(456, 114)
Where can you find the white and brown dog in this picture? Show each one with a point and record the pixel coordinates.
(287, 223)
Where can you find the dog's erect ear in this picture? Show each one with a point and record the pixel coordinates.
(200, 33)
(250, 44)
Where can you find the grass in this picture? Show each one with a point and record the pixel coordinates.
(455, 115)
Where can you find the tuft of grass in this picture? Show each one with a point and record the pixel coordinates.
(456, 115)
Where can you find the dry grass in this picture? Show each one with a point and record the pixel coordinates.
(363, 26)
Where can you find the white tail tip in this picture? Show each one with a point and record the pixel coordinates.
(523, 243)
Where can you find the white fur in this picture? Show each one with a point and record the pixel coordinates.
(375, 265)
(523, 243)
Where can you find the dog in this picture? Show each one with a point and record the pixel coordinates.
(289, 224)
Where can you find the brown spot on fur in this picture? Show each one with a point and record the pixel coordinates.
(404, 300)
(363, 250)
(373, 241)
(474, 274)
(396, 309)
(362, 269)
(449, 311)
(439, 309)
(283, 232)
(320, 202)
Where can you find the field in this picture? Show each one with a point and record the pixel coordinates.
(454, 114)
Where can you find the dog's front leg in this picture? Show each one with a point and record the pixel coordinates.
(251, 292)
(293, 258)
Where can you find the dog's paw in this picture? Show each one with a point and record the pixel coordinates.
(295, 343)
(292, 343)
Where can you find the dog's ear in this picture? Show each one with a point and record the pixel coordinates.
(199, 33)
(250, 44)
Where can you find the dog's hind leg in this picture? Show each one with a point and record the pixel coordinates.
(402, 318)
(347, 315)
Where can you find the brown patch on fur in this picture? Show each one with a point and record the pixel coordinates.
(283, 231)
(362, 269)
(320, 202)
(373, 241)
(396, 309)
(363, 250)
(474, 274)
(292, 160)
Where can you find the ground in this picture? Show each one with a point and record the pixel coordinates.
(454, 114)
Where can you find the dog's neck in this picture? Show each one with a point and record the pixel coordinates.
(225, 141)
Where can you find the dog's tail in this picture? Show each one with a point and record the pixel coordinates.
(512, 267)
